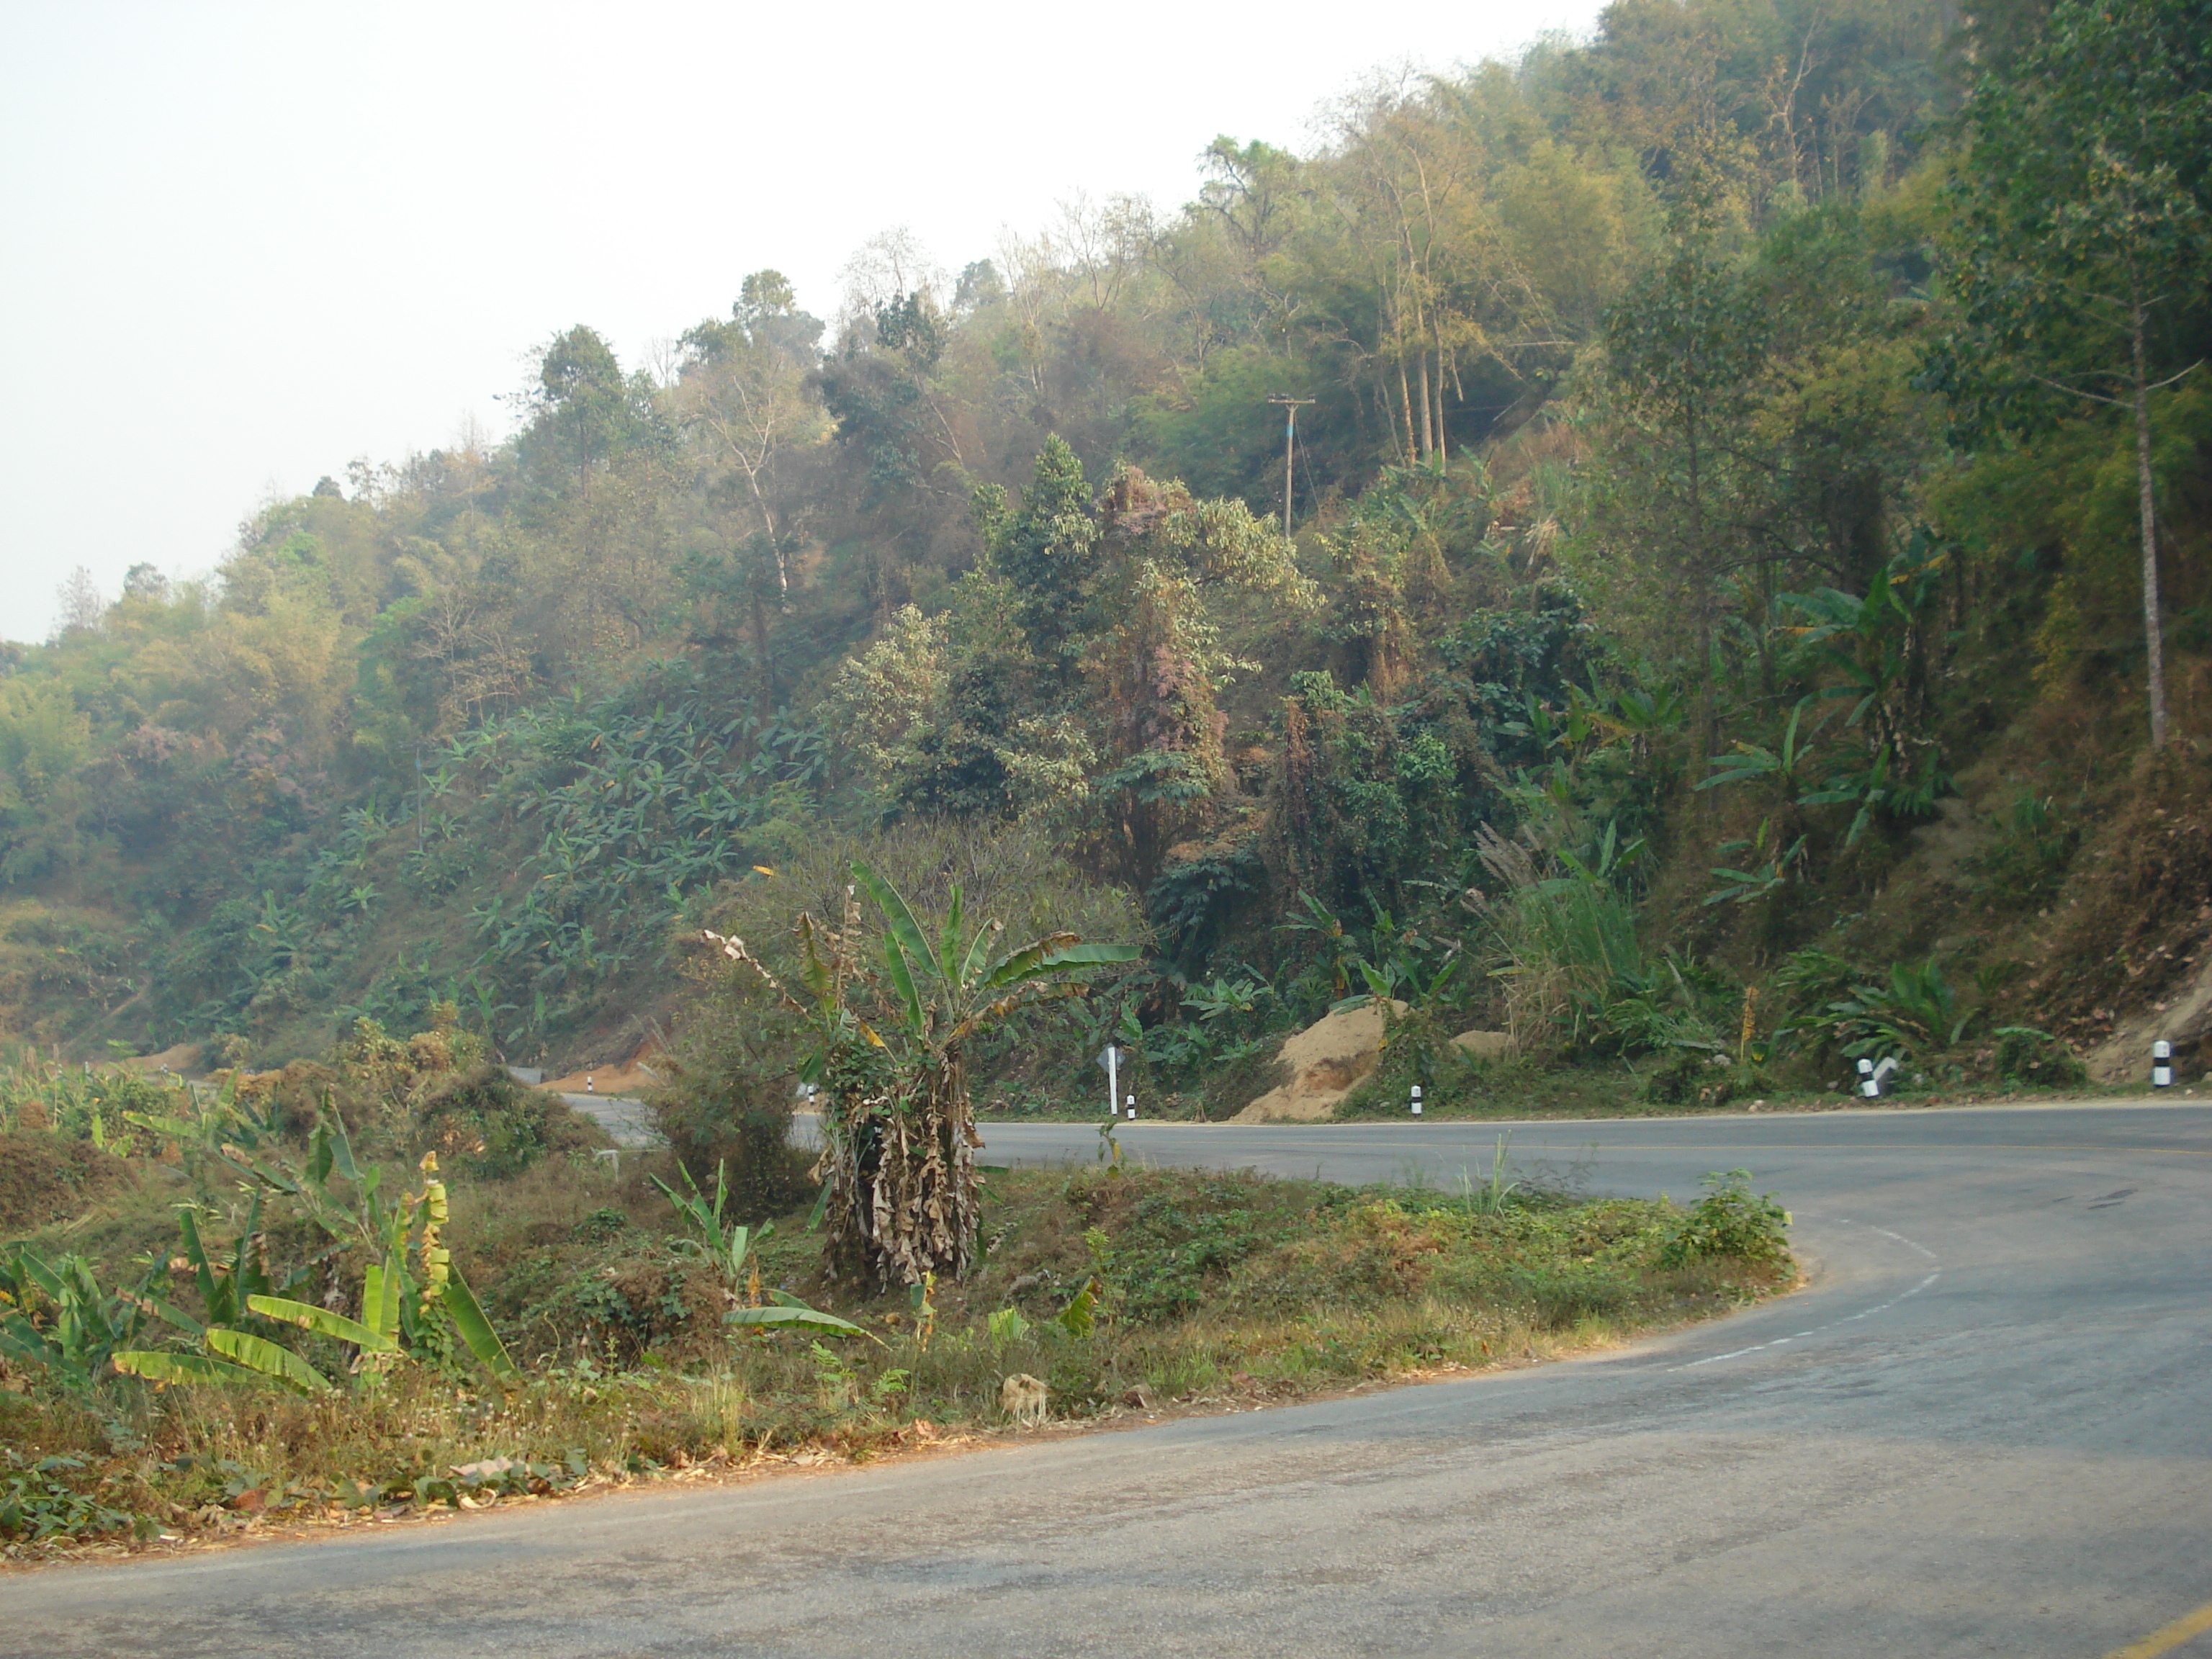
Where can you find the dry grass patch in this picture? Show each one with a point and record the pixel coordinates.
(1151, 1290)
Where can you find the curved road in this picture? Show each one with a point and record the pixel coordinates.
(1986, 1429)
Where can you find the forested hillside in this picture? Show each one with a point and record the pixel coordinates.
(1744, 599)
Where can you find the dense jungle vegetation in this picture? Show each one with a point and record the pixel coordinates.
(1683, 553)
(1742, 606)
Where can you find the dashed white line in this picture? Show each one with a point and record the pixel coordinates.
(1863, 1313)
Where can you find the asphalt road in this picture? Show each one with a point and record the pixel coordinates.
(1986, 1429)
(626, 1120)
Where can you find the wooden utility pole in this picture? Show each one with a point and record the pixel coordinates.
(1291, 406)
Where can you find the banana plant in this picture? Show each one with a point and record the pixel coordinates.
(1784, 765)
(947, 987)
(398, 1308)
(729, 1246)
(898, 1127)
(1226, 996)
(55, 1316)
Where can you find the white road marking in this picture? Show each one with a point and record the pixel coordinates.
(1863, 1313)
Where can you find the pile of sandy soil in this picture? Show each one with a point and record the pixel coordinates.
(628, 1078)
(48, 1177)
(183, 1059)
(1326, 1060)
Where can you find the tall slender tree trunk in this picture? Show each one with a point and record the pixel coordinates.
(768, 524)
(1443, 442)
(1765, 629)
(1701, 603)
(1405, 403)
(764, 690)
(1428, 436)
(2153, 628)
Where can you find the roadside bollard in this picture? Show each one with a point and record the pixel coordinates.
(1133, 1109)
(589, 1088)
(1417, 1100)
(2161, 1066)
(1872, 1077)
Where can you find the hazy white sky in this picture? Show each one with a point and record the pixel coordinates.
(241, 245)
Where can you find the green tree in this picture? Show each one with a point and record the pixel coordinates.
(1156, 657)
(744, 389)
(2081, 210)
(1681, 349)
(43, 741)
(1046, 549)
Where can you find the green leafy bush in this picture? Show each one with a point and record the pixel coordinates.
(39, 1502)
(485, 1124)
(2026, 862)
(1728, 1221)
(2037, 1059)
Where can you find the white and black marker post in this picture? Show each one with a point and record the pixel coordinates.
(1872, 1077)
(2161, 1065)
(1416, 1101)
(1133, 1109)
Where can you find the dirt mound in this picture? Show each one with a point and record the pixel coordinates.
(2183, 1018)
(1326, 1060)
(625, 1078)
(2132, 956)
(182, 1058)
(48, 1177)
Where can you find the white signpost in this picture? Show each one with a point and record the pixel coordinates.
(1109, 1060)
(1872, 1077)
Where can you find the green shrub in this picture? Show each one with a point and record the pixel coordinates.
(2037, 1060)
(1690, 1077)
(1560, 1298)
(484, 1125)
(44, 1499)
(1727, 1221)
(742, 1129)
(2027, 861)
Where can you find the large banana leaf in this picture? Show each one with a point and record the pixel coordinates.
(280, 1366)
(948, 951)
(157, 1367)
(323, 1323)
(1080, 955)
(22, 1340)
(381, 1290)
(213, 1297)
(899, 919)
(801, 1318)
(1053, 951)
(902, 977)
(475, 1330)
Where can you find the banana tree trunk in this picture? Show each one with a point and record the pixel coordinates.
(904, 1200)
